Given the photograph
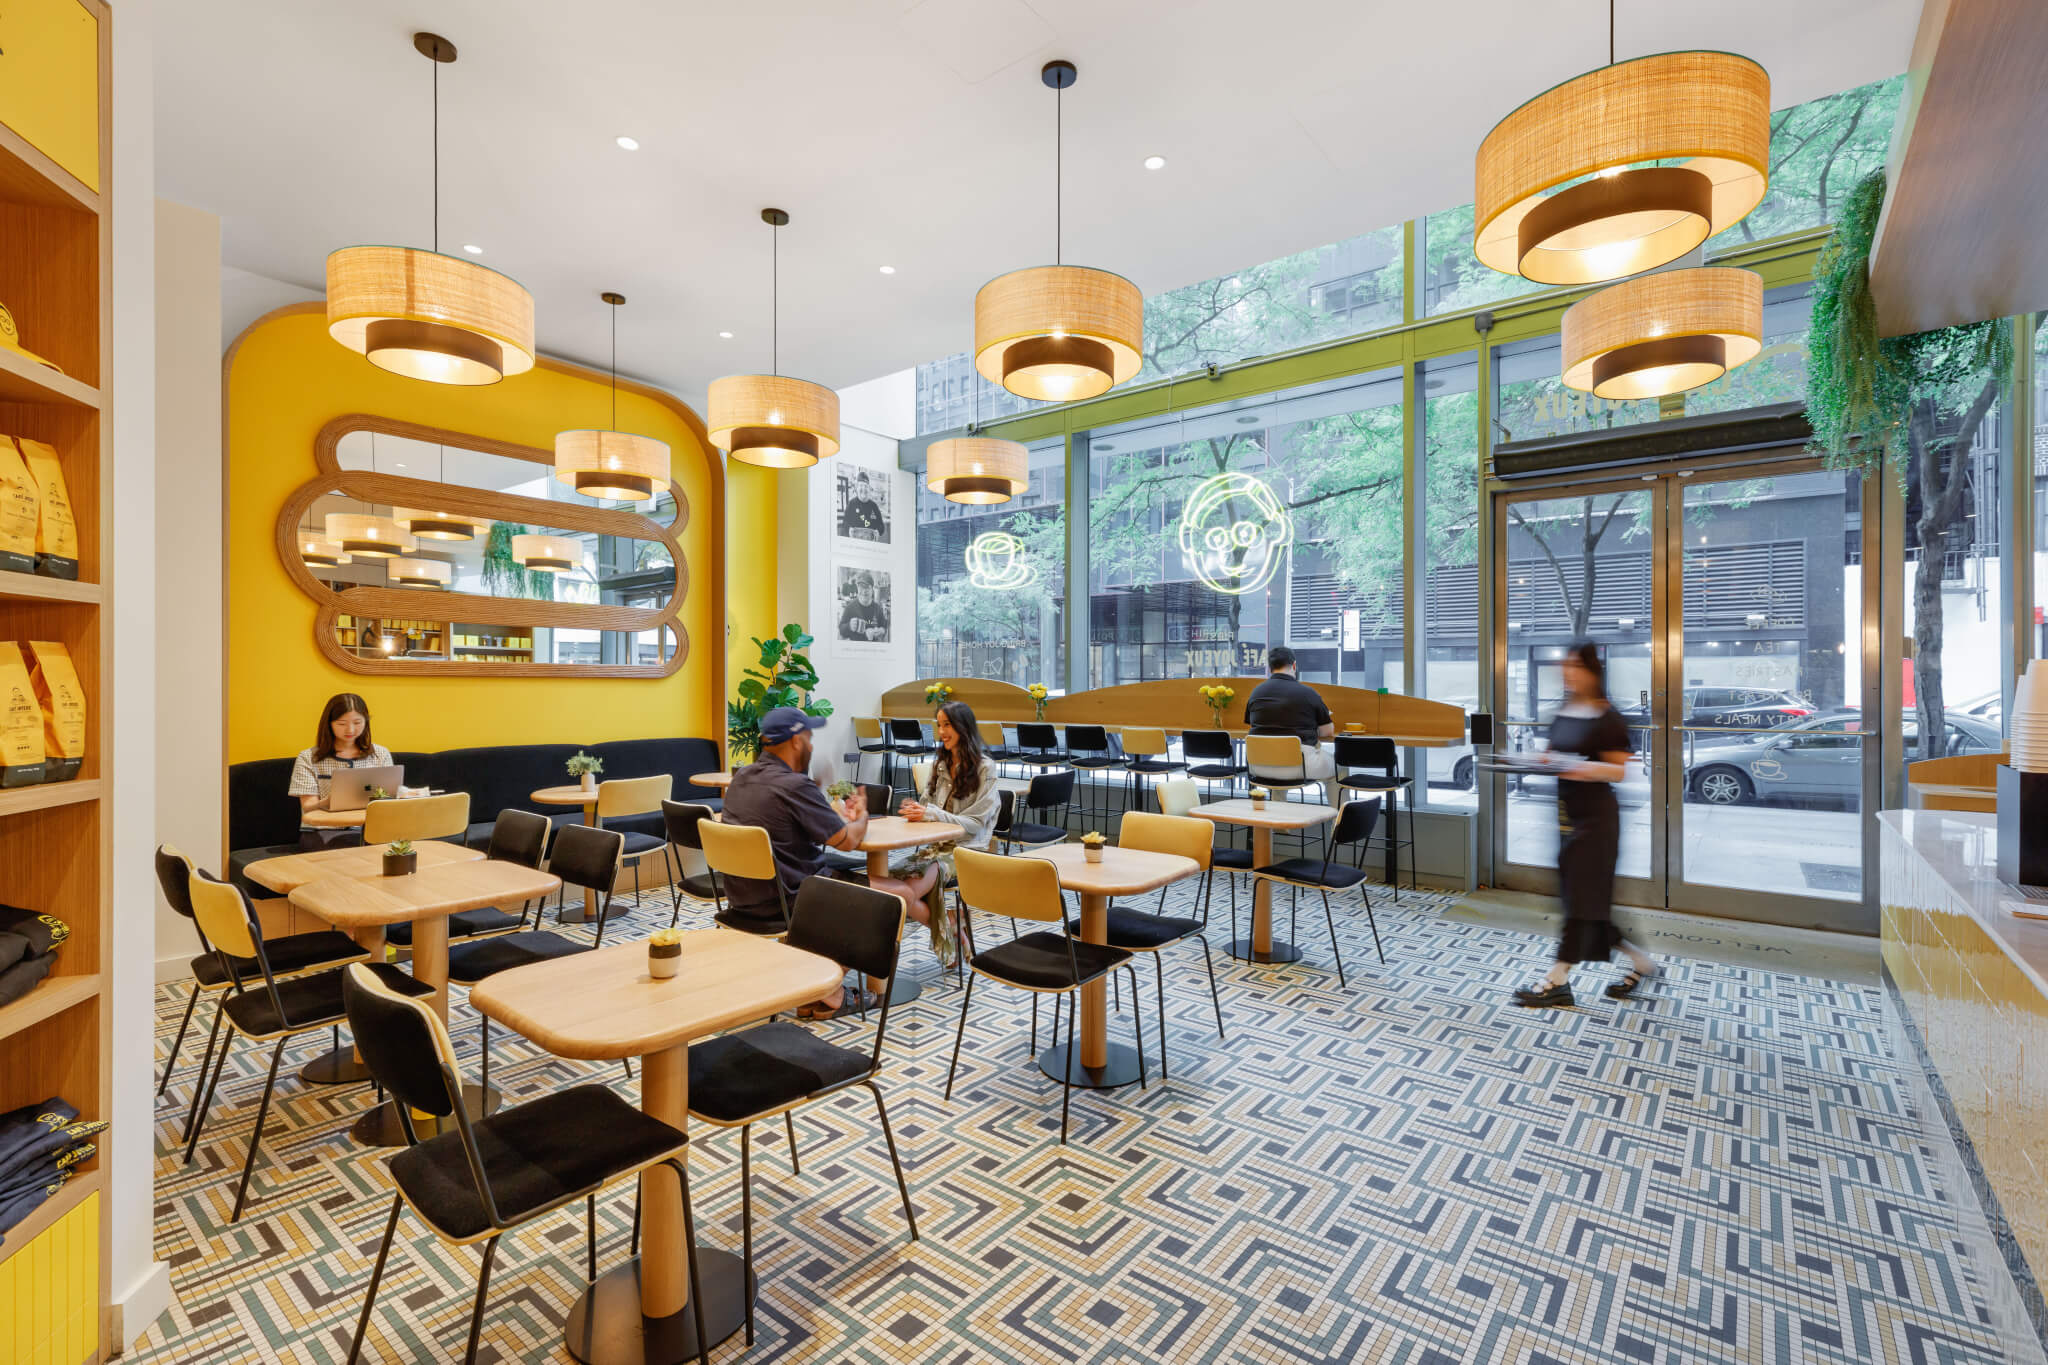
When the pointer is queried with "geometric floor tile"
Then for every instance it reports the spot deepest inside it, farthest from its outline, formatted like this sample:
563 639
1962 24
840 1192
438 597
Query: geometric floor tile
1409 1170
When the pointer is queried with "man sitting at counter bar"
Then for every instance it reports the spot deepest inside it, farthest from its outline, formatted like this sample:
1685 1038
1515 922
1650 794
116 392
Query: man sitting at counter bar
777 792
1284 705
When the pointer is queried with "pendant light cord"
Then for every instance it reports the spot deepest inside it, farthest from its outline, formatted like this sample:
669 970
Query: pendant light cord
436 64
1059 167
1610 32
615 367
775 298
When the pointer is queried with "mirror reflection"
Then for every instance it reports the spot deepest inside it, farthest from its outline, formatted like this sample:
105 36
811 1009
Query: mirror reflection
376 452
428 640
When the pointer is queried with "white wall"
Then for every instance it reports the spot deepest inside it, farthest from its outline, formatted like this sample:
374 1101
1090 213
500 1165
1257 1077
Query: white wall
855 676
189 792
139 1284
886 406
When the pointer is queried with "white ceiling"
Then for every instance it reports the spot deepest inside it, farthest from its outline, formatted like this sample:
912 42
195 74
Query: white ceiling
893 131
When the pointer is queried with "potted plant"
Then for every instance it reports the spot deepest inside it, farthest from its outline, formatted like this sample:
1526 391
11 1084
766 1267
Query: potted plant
378 794
584 768
1259 795
664 953
840 790
1040 695
400 860
785 677
1217 697
1092 844
938 694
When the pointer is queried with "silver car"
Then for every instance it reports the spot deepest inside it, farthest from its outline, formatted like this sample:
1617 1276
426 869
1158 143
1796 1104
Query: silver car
1819 759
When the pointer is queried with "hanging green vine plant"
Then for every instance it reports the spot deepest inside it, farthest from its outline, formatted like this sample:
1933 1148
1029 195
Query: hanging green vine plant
505 576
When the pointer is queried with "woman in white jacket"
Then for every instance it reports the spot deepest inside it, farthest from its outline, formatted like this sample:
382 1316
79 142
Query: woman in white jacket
961 791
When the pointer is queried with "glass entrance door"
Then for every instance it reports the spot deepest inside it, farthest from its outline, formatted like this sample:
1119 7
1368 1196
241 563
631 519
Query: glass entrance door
1728 605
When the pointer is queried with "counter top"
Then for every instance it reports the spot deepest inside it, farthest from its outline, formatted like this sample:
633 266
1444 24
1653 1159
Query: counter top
1961 848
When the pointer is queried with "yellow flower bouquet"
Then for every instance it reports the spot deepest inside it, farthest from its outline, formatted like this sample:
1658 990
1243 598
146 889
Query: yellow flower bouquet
1218 696
1040 694
938 694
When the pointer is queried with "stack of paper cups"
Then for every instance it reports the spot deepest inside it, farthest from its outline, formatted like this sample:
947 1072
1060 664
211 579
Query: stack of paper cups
2029 727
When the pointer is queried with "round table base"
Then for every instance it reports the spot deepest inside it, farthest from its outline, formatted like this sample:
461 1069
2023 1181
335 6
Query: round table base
339 1067
381 1128
902 989
605 1326
1120 1067
1242 949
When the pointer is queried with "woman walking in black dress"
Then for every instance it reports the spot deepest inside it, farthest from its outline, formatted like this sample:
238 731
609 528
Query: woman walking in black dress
1589 750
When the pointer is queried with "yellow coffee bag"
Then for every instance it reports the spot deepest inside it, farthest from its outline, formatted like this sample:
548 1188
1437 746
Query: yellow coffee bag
21 722
19 508
63 705
56 529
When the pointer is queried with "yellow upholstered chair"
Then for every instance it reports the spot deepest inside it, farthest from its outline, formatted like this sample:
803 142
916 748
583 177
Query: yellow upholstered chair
417 817
1136 931
626 796
744 851
1042 962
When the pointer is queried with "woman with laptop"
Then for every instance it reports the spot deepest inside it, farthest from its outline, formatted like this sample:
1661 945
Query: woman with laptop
342 743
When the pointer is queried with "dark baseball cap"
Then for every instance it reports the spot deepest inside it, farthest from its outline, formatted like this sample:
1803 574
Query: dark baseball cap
786 723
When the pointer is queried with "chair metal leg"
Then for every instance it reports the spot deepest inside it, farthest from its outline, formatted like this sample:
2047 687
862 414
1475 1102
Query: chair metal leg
966 997
629 1067
376 1276
483 1286
191 1003
1215 999
1138 1026
1067 1071
256 1133
696 1280
1116 994
1375 926
205 1070
590 1236
1034 1013
789 1123
1159 980
747 1215
1331 920
889 1135
633 1247
484 1051
202 1099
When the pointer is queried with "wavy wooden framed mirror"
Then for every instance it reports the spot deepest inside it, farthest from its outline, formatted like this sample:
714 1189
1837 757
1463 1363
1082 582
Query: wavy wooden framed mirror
441 554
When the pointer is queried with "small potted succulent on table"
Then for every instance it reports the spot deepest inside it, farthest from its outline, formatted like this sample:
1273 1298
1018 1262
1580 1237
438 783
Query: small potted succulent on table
1259 795
664 952
377 794
1092 844
400 860
584 768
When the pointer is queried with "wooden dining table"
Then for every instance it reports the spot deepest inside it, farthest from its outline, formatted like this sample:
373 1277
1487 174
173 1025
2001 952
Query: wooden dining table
1286 815
286 874
718 780
886 834
1122 872
603 1005
363 906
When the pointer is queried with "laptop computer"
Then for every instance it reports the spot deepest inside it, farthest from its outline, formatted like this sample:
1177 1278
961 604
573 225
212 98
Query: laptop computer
349 789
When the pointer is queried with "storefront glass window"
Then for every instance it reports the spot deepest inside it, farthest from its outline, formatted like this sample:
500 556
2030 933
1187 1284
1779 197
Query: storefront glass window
1449 478
991 581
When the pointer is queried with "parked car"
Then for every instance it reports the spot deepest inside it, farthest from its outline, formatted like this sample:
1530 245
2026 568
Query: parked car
1743 708
1818 758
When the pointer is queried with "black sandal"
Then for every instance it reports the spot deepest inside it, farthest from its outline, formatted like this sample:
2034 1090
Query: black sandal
1541 996
1630 982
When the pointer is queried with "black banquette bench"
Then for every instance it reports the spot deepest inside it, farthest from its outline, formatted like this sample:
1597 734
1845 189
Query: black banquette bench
263 822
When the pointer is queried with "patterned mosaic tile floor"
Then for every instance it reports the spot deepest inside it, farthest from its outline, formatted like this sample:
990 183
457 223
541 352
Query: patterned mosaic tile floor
1409 1171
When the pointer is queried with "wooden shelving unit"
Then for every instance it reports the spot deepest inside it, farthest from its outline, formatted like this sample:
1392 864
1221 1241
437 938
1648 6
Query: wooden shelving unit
55 840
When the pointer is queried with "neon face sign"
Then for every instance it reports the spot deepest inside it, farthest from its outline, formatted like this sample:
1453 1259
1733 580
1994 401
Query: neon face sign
1234 532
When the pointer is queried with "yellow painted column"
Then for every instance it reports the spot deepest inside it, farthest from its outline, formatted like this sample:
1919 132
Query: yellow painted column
752 568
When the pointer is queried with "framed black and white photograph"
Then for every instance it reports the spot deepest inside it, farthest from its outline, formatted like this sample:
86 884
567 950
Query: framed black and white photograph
863 603
860 513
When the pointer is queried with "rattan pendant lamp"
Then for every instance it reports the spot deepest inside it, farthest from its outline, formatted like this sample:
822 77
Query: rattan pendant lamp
769 419
365 535
407 572
1664 332
975 469
420 313
1059 332
620 465
1655 155
427 524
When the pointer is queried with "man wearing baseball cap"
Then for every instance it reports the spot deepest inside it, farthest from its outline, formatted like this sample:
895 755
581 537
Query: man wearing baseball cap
777 793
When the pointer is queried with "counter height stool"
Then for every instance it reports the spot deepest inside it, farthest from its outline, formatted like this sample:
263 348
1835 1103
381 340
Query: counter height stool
626 796
869 739
1145 755
1375 770
290 955
995 743
1041 962
1047 793
480 1178
738 1079
274 1011
1211 756
1038 746
906 740
1089 750
517 836
1354 827
679 821
1277 763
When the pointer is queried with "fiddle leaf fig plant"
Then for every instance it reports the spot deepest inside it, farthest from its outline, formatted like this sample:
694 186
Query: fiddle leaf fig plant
783 676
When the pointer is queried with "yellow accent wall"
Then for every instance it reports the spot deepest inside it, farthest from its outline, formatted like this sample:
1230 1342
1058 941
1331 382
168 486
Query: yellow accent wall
282 381
754 554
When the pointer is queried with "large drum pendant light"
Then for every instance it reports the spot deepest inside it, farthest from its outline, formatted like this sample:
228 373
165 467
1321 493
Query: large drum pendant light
612 464
1663 333
547 554
367 536
407 572
1059 332
422 314
318 552
769 419
1655 156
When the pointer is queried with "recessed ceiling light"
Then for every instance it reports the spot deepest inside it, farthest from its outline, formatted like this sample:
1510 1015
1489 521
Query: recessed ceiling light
888 270
1155 163
631 144
725 336
472 248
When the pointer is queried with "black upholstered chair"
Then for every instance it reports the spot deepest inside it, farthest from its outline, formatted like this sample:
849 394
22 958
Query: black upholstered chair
1089 750
907 741
738 1079
517 836
583 856
868 738
1371 765
1211 755
1038 746
289 955
1145 755
480 1178
269 1010
1048 794
1354 829
1042 962
679 822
